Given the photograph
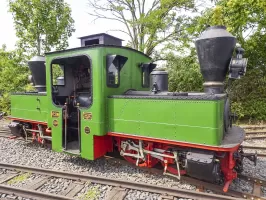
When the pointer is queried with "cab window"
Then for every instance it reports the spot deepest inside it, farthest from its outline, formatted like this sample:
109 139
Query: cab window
146 70
145 77
58 74
114 64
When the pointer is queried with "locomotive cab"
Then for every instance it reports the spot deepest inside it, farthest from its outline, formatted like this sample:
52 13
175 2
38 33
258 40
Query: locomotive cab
78 84
71 90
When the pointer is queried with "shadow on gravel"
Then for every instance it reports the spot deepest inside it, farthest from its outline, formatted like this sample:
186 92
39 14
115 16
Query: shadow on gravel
102 166
98 167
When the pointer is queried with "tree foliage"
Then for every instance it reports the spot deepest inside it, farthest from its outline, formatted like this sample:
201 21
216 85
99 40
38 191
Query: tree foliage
147 23
42 24
13 76
184 73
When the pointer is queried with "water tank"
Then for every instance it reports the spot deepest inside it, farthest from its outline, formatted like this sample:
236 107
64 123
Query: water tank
60 80
160 78
37 68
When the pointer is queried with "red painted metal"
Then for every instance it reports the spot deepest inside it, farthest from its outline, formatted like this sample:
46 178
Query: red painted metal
168 163
26 120
34 126
182 144
102 145
12 137
34 135
227 166
227 160
151 161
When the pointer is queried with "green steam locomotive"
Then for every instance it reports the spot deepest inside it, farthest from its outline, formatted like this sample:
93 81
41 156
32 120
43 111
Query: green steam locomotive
103 97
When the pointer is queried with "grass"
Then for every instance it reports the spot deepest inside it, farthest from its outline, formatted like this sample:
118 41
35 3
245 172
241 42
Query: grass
91 194
19 178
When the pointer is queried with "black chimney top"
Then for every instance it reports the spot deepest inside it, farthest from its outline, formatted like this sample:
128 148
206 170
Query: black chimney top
215 48
37 68
101 38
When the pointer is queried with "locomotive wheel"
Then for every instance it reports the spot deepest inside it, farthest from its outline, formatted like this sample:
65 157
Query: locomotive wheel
171 165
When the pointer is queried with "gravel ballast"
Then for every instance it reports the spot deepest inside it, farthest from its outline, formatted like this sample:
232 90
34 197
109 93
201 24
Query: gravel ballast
23 153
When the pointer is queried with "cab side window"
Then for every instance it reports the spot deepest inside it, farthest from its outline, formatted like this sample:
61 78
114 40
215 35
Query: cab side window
114 64
146 70
58 74
145 77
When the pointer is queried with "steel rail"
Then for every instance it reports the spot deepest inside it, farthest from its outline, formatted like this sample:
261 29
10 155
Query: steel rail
255 132
252 179
26 193
253 147
119 183
219 189
256 148
252 126
255 137
150 188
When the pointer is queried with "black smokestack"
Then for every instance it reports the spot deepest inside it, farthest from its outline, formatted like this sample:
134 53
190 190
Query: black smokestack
215 47
37 68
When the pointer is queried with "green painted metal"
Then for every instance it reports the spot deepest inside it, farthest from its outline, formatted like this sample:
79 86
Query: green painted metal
130 77
30 107
165 119
190 121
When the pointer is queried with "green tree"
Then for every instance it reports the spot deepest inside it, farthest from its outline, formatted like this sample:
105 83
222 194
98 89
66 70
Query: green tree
42 24
184 73
148 24
13 76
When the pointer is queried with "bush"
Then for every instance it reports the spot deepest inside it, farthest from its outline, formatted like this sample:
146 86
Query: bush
184 74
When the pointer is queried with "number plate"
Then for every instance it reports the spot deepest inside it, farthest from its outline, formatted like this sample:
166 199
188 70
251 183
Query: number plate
87 116
55 113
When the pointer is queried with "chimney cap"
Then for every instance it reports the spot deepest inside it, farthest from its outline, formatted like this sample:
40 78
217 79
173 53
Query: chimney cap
99 35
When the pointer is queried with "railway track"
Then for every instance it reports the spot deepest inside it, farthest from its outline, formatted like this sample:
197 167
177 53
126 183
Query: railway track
119 186
202 186
255 132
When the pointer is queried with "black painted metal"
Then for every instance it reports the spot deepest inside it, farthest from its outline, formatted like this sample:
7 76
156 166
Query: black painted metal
238 64
227 115
101 38
203 97
15 128
215 47
201 165
37 68
214 89
160 78
30 93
